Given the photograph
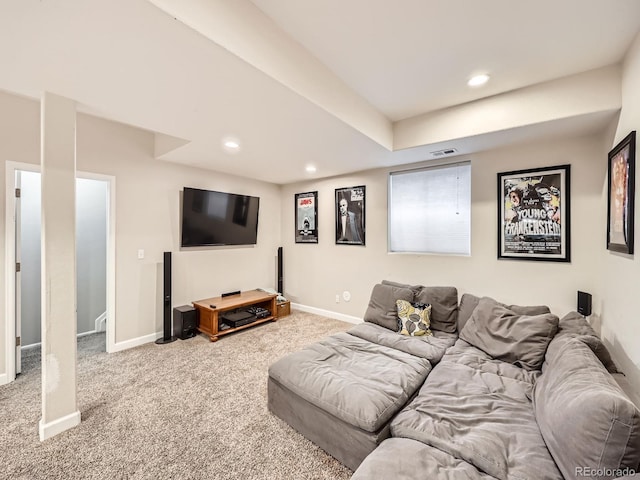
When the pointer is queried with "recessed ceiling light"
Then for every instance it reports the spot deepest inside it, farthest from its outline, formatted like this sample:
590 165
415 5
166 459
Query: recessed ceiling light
311 169
478 80
231 144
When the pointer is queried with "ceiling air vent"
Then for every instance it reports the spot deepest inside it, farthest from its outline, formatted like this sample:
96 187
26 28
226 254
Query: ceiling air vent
444 152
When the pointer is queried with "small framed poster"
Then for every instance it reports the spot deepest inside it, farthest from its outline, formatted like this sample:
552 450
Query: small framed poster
621 194
350 221
306 217
533 214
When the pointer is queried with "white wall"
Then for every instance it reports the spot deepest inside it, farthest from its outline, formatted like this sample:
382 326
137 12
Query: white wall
58 296
147 212
568 97
148 218
91 251
19 142
91 254
621 273
314 274
30 256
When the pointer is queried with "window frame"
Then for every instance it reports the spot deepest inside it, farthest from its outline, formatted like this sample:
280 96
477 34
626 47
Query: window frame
423 168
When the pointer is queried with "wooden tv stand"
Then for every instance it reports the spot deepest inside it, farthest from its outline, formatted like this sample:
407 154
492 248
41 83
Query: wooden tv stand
209 322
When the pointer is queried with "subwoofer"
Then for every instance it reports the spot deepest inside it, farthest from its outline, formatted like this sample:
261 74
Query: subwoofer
166 301
185 322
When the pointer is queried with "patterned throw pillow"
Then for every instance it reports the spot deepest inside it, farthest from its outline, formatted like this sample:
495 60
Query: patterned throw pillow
413 319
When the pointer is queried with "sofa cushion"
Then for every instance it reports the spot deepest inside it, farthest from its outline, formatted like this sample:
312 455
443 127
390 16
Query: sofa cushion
413 318
478 409
382 305
357 381
407 459
584 417
469 302
444 307
466 354
508 336
430 347
414 288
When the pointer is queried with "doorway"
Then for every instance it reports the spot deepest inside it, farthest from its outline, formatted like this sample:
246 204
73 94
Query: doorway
95 262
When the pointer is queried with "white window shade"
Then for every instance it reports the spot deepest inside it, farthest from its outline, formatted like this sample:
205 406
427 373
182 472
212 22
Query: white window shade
430 210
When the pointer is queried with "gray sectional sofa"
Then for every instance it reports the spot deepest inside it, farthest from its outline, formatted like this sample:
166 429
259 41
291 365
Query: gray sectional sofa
498 391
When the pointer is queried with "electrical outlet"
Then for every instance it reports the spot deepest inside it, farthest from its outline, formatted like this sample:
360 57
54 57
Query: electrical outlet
141 254
337 298
346 295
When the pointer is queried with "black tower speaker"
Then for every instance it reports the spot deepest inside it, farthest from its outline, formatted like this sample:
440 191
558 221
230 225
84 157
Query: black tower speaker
166 301
584 303
280 273
185 322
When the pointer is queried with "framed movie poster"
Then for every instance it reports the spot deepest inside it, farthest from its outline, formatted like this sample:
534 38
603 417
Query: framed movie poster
306 217
350 215
621 193
533 214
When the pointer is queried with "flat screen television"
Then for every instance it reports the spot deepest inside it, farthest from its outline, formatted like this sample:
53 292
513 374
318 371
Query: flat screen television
212 218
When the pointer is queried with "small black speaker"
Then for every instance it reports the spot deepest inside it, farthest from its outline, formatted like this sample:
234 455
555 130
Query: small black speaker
584 303
166 301
185 322
280 273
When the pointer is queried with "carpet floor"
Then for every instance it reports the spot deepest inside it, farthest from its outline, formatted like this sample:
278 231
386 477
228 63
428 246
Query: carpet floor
190 409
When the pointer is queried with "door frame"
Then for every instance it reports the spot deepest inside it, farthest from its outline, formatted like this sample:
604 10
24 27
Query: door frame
10 260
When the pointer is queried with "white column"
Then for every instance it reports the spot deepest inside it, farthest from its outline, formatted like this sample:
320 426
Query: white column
58 142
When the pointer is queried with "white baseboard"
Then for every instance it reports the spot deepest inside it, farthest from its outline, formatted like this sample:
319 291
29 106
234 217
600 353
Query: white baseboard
84 334
50 429
101 323
136 342
4 379
327 313
39 344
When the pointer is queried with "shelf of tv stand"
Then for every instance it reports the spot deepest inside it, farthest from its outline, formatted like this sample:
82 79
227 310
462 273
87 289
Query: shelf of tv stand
209 317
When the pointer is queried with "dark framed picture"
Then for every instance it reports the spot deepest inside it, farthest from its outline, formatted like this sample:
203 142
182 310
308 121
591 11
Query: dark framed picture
350 221
534 214
306 217
621 193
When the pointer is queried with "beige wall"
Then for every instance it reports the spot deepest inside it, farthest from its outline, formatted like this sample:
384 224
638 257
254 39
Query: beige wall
19 142
567 97
148 216
314 274
147 212
621 273
58 282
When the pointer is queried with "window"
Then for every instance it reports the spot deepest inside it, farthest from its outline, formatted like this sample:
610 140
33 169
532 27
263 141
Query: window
430 210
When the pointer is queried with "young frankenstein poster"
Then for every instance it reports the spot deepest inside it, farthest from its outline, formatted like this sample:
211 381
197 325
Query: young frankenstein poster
533 206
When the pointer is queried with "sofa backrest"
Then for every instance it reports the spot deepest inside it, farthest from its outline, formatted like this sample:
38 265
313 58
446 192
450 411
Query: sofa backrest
444 307
575 325
586 420
382 308
510 336
469 302
443 300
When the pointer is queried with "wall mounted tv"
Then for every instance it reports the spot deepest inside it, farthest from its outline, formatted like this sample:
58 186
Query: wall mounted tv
216 218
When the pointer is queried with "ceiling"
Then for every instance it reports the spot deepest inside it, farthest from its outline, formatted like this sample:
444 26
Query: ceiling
328 83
